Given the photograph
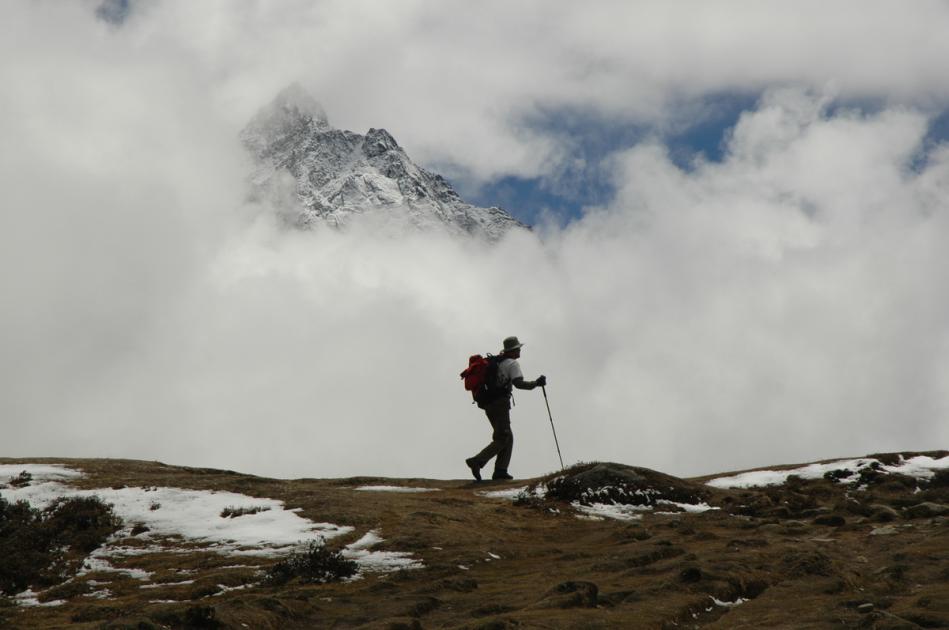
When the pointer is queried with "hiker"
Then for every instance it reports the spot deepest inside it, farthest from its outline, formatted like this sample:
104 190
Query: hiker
498 411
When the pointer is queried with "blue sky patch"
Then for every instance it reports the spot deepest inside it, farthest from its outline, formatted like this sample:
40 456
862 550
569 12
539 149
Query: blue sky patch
700 133
584 180
114 12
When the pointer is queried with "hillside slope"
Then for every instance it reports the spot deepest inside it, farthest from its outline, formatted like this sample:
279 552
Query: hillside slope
858 543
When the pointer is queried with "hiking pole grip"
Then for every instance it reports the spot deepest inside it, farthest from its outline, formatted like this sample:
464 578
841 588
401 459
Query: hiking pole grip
543 388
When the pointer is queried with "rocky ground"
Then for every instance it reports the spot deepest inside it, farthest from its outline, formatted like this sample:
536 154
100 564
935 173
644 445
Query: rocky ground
601 546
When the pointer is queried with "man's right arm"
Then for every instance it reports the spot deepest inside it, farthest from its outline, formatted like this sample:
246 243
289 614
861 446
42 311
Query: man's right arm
520 383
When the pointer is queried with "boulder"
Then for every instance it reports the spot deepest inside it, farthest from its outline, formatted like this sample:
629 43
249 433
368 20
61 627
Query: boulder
886 530
621 484
883 513
926 510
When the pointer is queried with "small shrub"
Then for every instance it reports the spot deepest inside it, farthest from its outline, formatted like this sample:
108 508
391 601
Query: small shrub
21 480
838 475
43 547
314 563
68 590
201 617
82 523
23 546
940 479
234 512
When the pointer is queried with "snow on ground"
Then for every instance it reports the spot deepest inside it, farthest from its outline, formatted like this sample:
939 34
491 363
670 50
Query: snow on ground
597 510
49 472
625 512
28 599
510 494
539 492
692 508
618 511
264 528
921 467
378 561
394 489
173 512
97 562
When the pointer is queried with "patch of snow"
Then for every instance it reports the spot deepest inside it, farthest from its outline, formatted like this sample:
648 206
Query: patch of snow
164 584
378 561
40 472
692 508
103 594
539 492
590 517
228 589
921 467
510 494
117 551
369 539
96 563
29 599
494 555
590 494
394 489
191 514
463 567
737 602
618 512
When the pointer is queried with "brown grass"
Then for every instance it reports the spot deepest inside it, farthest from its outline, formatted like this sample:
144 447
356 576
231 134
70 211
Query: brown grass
802 555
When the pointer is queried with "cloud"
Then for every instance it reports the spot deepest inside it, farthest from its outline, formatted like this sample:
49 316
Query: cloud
780 305
462 85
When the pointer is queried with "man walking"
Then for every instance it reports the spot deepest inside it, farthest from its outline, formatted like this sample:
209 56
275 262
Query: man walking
499 412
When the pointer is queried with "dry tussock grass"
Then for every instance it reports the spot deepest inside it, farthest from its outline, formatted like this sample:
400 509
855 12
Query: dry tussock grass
801 556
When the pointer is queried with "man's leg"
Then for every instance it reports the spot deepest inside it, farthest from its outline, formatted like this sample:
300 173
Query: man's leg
504 437
501 439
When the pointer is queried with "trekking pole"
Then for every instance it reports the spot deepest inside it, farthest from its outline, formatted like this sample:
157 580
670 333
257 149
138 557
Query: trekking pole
546 402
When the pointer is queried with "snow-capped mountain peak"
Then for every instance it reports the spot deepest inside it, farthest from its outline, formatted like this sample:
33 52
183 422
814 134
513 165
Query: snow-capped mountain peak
334 175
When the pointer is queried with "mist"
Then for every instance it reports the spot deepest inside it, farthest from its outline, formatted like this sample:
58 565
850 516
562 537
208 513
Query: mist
779 306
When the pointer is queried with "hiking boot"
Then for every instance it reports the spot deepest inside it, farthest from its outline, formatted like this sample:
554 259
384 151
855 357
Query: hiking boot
501 476
475 469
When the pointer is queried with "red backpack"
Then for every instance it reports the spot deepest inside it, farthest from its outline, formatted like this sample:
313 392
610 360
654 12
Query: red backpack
481 378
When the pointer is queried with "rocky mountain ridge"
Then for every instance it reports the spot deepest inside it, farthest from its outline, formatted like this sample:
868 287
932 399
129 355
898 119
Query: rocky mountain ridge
314 172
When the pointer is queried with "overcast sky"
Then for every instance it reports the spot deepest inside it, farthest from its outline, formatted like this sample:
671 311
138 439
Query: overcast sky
740 254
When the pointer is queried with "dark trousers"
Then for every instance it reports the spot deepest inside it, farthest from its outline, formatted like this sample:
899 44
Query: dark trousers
502 440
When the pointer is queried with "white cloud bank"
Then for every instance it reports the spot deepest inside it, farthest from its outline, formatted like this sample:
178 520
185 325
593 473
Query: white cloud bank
783 305
458 83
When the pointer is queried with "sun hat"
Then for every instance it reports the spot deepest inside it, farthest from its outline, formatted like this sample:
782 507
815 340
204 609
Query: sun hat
511 343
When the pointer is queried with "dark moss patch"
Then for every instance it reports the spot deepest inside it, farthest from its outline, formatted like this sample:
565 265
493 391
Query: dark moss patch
314 563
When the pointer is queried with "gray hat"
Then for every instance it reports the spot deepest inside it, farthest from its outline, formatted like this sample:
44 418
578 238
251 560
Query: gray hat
511 343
